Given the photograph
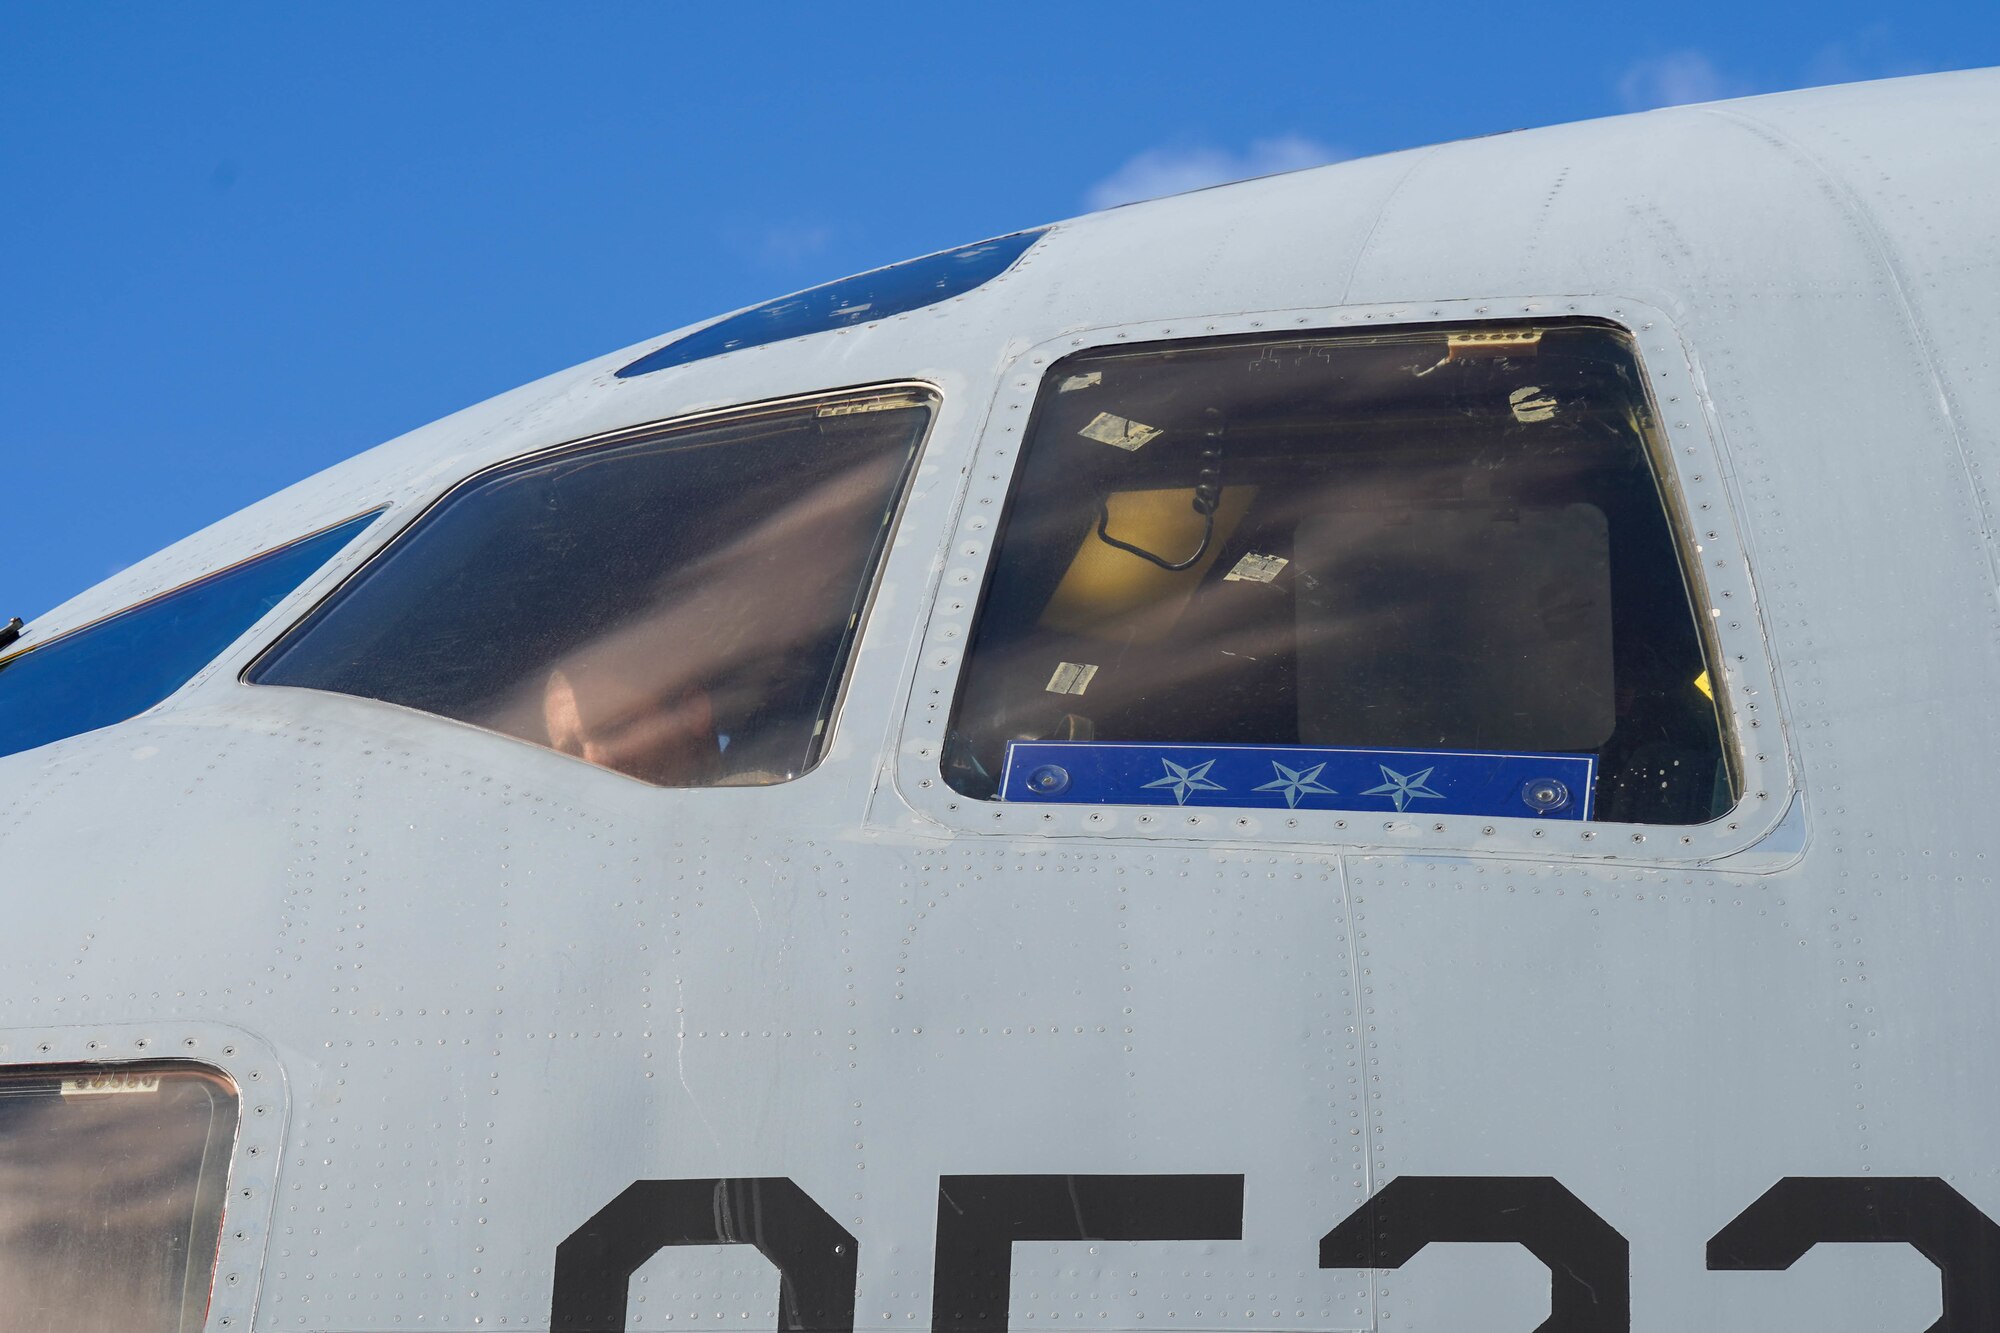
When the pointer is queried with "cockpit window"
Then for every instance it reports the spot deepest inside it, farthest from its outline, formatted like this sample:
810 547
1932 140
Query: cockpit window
120 666
676 604
861 299
1430 572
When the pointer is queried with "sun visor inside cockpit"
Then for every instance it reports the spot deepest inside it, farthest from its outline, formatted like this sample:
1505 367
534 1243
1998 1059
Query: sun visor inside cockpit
1478 625
877 294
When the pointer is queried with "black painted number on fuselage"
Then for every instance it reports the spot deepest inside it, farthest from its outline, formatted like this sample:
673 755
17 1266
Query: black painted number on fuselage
814 1255
1923 1212
1590 1264
981 1217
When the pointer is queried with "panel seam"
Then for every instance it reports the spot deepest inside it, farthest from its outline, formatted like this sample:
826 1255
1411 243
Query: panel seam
1877 240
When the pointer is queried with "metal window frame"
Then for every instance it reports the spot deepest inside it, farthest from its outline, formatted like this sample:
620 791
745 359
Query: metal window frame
263 1108
1694 480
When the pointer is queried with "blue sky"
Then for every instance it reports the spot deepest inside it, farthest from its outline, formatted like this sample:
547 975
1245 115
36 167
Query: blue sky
243 242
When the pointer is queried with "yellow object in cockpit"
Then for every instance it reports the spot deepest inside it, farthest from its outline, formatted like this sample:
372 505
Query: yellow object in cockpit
1112 594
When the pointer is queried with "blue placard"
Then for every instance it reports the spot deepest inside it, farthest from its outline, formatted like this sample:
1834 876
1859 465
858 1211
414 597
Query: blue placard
1301 777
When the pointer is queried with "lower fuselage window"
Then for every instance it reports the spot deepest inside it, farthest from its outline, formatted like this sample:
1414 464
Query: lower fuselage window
112 1185
1430 572
677 605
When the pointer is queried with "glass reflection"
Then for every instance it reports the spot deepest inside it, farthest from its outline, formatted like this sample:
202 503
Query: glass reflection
1435 540
111 1194
677 607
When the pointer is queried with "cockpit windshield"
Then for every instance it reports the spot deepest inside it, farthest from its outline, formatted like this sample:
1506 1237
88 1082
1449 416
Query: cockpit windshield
118 667
675 604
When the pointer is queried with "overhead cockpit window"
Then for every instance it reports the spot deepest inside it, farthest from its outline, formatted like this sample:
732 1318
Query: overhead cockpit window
120 666
878 294
1430 572
676 604
112 1185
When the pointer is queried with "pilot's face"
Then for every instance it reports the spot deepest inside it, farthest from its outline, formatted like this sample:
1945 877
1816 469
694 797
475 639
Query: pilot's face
670 741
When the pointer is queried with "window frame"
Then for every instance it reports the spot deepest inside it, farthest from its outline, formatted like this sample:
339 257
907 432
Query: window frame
262 1109
1700 510
407 522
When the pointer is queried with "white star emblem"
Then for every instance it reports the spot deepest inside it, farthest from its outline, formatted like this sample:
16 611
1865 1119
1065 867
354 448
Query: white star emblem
1402 790
1295 783
1193 778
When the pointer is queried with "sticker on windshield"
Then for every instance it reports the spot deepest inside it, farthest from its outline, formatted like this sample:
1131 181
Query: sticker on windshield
1119 433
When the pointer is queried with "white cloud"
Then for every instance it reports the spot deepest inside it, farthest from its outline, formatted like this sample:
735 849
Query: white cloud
1161 171
1675 79
1680 77
1872 53
787 244
781 250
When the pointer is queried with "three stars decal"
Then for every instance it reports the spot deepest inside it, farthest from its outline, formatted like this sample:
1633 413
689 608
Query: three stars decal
1183 780
1297 780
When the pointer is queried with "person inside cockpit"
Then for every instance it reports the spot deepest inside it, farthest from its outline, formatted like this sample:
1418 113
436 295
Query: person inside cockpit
671 742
